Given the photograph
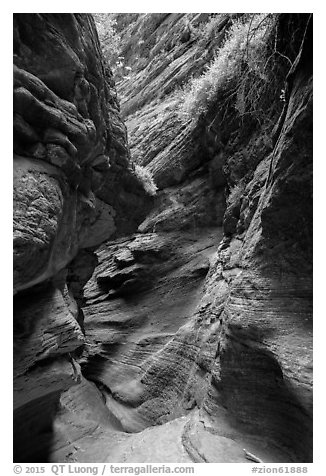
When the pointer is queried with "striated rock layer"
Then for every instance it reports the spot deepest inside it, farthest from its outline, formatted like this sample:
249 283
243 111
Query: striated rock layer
199 328
72 189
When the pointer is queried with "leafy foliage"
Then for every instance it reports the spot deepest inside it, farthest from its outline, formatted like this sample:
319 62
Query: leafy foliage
109 38
146 178
243 71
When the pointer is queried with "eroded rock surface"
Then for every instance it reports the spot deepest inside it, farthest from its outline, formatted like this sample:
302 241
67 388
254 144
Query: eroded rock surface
198 327
72 189
70 146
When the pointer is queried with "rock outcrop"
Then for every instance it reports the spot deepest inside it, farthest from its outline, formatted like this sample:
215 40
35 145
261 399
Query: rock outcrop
73 187
197 325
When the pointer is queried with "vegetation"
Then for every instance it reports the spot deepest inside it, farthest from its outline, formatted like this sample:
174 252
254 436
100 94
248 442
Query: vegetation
111 43
109 38
146 178
244 71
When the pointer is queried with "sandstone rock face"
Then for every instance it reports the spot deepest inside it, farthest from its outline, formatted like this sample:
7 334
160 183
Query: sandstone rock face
72 189
161 64
70 146
197 326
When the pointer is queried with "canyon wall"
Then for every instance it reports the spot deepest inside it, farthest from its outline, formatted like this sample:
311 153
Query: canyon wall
73 186
194 331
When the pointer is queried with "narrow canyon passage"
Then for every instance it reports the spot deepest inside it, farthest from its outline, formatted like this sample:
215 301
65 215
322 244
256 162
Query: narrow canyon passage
162 238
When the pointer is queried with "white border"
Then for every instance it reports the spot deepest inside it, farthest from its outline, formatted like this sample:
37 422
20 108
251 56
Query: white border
319 184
